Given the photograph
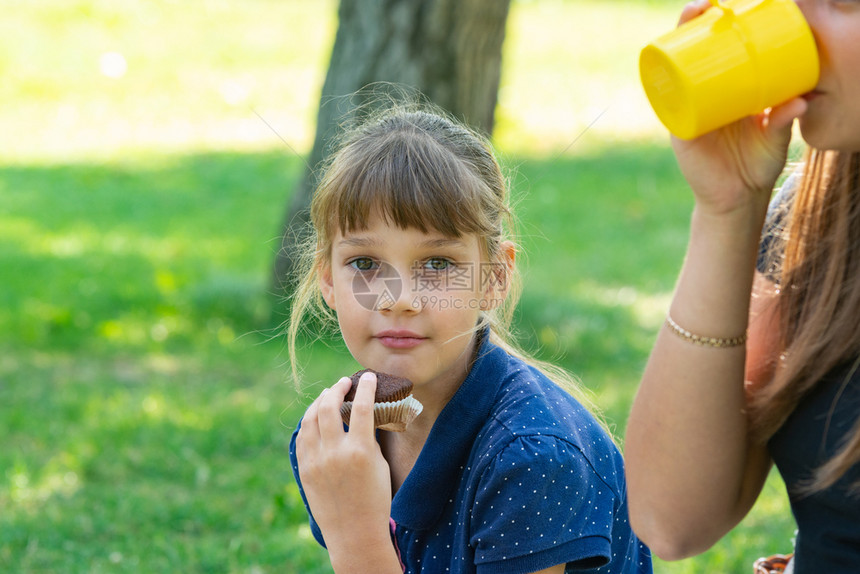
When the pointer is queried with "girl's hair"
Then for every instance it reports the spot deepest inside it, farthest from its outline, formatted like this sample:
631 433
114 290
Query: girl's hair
819 299
416 168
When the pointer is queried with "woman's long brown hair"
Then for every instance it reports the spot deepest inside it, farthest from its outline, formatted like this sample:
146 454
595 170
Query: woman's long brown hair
819 300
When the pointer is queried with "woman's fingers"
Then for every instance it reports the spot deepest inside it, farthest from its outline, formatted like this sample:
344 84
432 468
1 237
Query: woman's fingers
783 115
693 9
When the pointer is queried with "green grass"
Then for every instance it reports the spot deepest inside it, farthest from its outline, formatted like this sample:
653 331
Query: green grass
145 409
148 415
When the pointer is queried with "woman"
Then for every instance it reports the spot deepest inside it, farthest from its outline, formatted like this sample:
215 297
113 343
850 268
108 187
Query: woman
757 363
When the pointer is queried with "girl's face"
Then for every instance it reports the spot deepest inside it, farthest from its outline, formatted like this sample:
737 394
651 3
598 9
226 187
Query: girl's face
832 120
407 302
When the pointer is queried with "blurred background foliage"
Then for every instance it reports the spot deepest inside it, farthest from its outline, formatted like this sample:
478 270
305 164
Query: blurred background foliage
147 151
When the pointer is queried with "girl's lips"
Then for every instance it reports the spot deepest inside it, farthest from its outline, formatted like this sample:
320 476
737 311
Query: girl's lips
399 339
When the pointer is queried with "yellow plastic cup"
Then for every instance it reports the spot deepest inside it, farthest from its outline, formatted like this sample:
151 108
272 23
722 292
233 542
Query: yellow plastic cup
735 60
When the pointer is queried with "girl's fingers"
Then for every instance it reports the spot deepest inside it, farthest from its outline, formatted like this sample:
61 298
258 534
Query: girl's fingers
309 433
361 419
309 420
330 421
322 422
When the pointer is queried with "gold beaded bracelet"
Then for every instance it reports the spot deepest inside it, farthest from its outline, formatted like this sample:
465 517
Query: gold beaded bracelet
703 341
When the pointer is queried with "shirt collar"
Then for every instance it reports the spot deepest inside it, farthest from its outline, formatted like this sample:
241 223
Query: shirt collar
435 476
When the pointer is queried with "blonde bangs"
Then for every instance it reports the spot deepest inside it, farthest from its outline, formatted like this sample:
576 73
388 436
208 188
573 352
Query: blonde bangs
409 180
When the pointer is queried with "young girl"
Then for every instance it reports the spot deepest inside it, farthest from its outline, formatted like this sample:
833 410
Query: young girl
700 442
503 471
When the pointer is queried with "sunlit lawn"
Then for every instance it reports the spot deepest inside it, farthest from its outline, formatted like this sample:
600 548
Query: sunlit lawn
144 403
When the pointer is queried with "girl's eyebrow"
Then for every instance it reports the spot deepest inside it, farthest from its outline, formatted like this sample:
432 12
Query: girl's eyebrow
435 243
359 242
442 242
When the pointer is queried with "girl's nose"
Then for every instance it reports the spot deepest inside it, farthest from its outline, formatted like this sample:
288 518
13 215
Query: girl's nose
400 296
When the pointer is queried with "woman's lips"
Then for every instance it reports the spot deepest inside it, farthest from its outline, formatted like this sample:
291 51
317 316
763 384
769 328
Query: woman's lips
809 96
399 339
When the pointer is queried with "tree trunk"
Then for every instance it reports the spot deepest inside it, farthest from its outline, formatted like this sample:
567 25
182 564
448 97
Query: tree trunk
450 50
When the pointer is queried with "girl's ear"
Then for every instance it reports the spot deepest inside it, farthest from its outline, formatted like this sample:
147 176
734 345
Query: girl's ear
326 285
499 276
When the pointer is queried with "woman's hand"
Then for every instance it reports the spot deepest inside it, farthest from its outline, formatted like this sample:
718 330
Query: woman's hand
344 476
737 165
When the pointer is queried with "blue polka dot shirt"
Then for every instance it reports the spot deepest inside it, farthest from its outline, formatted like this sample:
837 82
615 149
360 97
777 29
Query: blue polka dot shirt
515 476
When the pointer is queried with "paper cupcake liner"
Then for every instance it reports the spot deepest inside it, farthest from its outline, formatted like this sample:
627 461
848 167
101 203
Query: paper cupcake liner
394 416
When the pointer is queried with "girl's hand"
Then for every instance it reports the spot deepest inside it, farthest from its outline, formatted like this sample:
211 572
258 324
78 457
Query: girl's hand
737 166
345 478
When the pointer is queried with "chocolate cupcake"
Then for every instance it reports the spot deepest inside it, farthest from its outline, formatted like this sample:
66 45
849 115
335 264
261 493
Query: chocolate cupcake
394 407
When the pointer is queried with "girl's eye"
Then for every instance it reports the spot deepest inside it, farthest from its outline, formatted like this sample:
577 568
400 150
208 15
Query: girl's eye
362 263
438 264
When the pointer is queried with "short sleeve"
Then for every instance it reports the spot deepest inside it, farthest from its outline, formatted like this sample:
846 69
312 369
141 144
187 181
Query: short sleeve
540 503
772 246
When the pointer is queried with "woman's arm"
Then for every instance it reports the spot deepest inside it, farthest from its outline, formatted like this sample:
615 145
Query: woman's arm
347 482
692 471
